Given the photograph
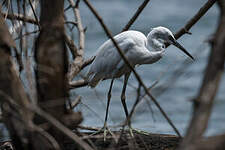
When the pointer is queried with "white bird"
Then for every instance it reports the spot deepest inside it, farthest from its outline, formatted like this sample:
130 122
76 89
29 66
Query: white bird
138 50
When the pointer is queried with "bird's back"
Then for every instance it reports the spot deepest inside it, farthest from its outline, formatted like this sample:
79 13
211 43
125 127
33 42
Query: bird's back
108 61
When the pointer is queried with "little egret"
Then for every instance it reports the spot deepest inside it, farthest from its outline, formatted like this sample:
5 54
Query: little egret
138 50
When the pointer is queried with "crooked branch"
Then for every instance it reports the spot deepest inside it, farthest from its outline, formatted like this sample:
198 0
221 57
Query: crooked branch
78 62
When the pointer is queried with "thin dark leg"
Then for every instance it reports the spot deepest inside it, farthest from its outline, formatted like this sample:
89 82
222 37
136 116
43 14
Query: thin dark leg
108 102
105 128
123 96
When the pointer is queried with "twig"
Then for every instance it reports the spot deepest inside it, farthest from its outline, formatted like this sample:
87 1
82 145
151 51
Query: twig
19 17
76 102
35 16
77 64
71 22
47 136
87 62
137 13
26 34
194 19
88 128
129 65
77 84
71 45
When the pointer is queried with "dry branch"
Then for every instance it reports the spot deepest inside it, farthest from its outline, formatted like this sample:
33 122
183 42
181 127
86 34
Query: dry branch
71 45
137 13
20 17
76 66
77 84
194 19
34 13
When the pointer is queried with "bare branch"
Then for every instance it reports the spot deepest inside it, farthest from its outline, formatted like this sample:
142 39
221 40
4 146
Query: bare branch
71 45
137 13
87 62
35 16
19 17
75 102
77 84
194 19
88 128
77 64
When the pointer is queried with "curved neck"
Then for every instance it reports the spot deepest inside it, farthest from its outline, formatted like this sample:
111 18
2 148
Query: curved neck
151 57
154 43
154 50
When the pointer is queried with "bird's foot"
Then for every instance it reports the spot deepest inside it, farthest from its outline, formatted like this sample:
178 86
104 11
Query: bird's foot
103 130
131 132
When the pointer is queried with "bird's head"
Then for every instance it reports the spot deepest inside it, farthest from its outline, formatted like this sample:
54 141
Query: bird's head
159 36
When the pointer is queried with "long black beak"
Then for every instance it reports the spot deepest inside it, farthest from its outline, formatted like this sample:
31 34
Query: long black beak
175 43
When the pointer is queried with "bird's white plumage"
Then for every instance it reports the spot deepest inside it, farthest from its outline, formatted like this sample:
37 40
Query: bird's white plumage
137 48
108 62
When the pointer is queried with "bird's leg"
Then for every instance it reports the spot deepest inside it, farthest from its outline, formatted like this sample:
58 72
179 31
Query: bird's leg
123 100
107 109
104 129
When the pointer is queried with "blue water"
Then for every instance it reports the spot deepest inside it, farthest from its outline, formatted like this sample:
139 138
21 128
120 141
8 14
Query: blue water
175 100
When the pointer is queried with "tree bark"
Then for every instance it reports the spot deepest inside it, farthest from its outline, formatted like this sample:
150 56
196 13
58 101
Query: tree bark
52 66
51 59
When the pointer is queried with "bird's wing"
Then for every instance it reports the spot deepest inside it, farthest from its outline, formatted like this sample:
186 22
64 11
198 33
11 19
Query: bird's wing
107 58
